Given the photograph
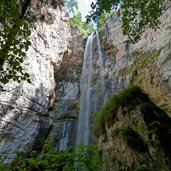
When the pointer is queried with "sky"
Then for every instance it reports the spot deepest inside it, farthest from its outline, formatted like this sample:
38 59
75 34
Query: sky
84 7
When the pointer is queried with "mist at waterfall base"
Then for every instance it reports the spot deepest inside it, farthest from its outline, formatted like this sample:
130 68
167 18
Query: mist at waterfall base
88 90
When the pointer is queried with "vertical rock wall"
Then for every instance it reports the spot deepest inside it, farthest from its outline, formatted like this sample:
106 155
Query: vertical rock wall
145 64
50 104
65 113
24 118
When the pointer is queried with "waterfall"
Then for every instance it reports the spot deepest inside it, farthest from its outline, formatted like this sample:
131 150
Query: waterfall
101 86
92 97
65 136
83 129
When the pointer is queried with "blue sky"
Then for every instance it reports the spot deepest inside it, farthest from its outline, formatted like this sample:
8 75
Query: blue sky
84 7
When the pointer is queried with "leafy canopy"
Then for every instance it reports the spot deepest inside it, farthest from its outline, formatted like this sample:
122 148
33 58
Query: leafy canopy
71 6
76 18
136 15
14 42
82 158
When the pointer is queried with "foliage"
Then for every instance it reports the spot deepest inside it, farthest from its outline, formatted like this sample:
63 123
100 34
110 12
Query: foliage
146 139
103 17
14 33
159 126
85 28
14 42
136 15
129 97
87 158
89 27
71 6
76 19
84 158
4 167
133 140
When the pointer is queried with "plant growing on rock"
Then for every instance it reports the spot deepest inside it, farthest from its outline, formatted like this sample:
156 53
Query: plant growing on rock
141 129
136 15
129 97
85 158
133 140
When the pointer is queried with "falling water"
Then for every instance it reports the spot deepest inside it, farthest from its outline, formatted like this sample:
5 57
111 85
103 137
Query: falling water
83 129
65 136
101 87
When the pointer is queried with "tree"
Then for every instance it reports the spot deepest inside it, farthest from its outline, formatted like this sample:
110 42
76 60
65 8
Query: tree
81 158
136 15
72 7
89 27
76 18
14 32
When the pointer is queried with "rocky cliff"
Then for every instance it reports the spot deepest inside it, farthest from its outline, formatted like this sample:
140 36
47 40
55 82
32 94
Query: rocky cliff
24 107
145 62
65 113
50 105
146 65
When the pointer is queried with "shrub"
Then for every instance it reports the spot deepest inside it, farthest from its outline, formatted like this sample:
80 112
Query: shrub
84 158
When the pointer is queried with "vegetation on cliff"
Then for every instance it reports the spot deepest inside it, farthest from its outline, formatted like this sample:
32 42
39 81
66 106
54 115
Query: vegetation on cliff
76 19
141 129
14 35
106 116
15 31
136 14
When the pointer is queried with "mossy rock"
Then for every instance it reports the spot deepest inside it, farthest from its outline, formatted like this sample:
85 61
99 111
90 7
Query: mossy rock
137 129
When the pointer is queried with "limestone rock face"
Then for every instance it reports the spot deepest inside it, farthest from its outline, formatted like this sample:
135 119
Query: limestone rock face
24 107
132 137
50 104
65 113
145 63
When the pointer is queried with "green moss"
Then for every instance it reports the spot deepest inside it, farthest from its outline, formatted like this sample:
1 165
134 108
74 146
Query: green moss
99 125
156 125
129 97
159 126
109 46
133 140
140 127
145 56
115 132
